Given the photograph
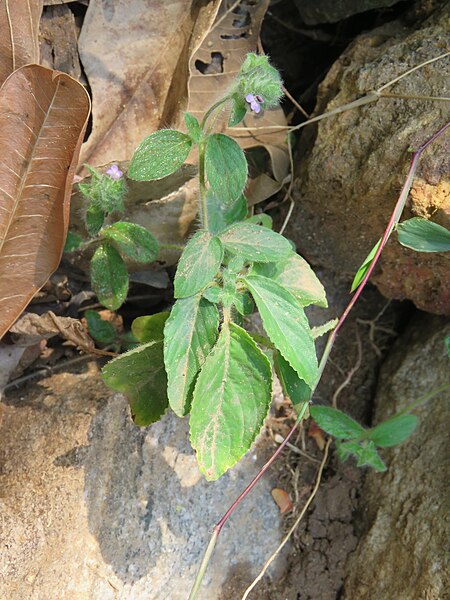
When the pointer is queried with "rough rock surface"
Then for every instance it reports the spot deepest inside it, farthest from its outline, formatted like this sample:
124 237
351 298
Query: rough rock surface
353 165
402 554
94 508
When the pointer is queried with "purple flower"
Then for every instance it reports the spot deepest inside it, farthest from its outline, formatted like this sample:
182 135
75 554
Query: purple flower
255 102
114 172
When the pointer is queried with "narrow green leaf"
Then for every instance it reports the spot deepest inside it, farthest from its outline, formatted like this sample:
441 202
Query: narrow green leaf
193 127
221 215
286 325
189 336
295 388
150 327
361 272
393 431
422 235
321 330
365 453
109 276
95 218
73 242
159 155
231 400
295 274
238 111
335 422
132 240
198 265
139 374
102 331
255 243
226 167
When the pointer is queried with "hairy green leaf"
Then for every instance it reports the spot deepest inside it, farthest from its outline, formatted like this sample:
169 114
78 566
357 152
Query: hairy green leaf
365 453
159 155
95 217
422 235
139 374
286 325
221 215
231 400
226 167
73 242
198 265
102 331
393 431
189 336
243 303
213 293
193 127
255 243
295 274
238 110
293 387
151 327
336 423
109 276
361 272
132 240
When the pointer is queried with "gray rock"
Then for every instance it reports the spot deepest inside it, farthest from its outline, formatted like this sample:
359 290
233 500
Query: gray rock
402 554
94 508
354 165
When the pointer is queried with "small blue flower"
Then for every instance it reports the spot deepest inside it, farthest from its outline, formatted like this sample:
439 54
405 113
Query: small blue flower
114 172
255 102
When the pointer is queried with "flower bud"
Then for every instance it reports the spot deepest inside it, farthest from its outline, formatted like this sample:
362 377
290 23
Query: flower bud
259 83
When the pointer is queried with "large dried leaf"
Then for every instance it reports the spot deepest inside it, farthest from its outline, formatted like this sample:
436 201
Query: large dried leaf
19 29
43 115
134 53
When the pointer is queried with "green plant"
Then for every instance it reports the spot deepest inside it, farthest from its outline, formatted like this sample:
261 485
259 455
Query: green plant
109 275
203 361
199 359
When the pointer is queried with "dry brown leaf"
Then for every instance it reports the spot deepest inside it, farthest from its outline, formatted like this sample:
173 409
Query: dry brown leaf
134 53
43 115
19 31
283 500
166 207
317 434
31 328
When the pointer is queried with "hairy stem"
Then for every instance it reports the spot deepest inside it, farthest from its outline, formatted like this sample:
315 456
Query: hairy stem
398 209
202 183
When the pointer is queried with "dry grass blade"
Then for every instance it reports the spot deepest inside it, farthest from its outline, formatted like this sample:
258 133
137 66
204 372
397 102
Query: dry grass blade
43 114
19 30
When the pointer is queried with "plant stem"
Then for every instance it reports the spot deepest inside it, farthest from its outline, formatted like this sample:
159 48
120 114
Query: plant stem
179 247
211 109
398 209
202 183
